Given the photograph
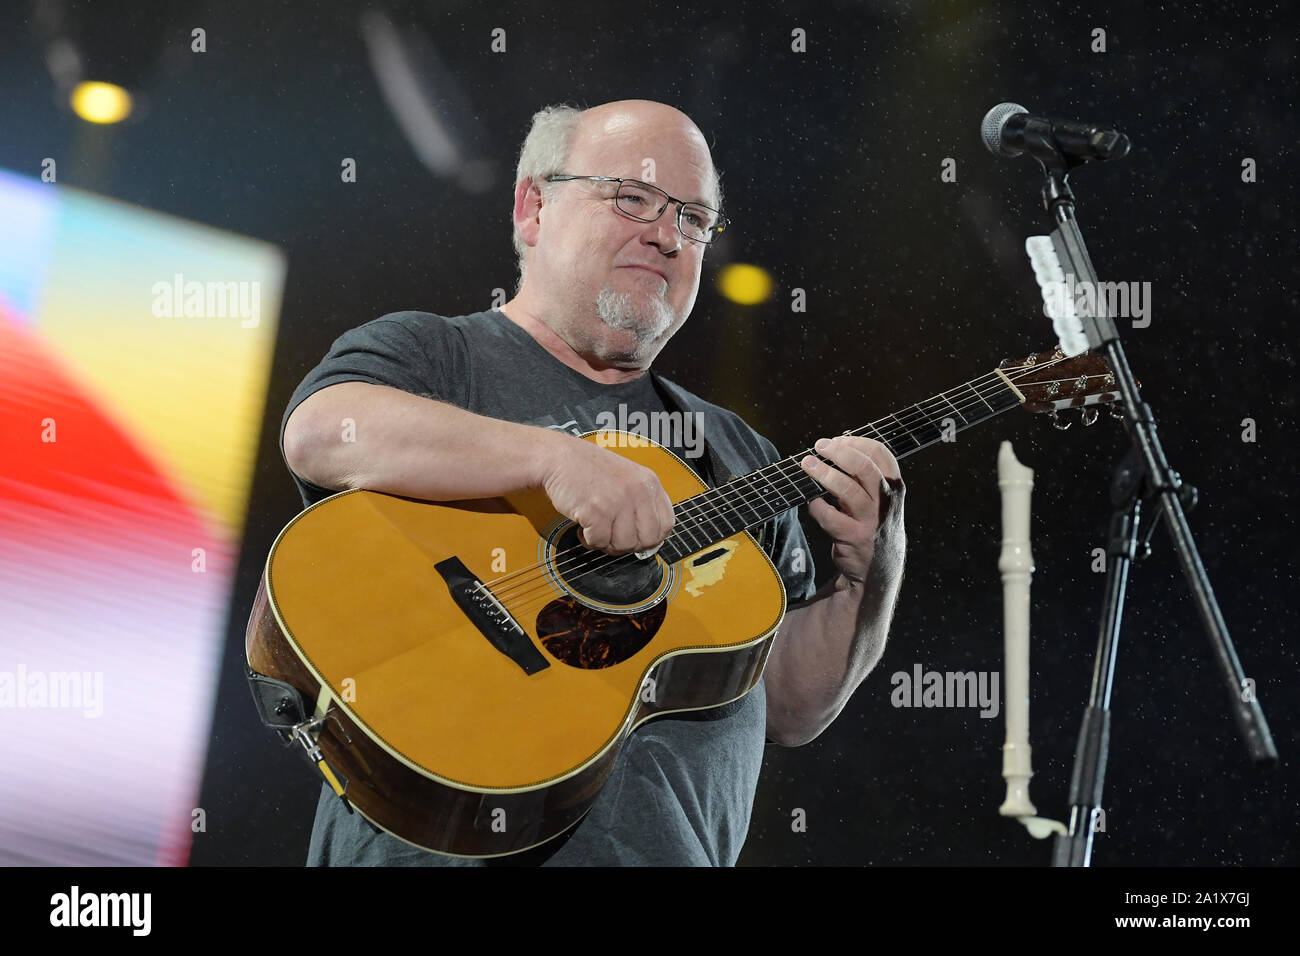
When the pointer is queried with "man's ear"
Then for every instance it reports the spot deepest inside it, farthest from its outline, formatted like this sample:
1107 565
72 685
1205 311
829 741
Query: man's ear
528 207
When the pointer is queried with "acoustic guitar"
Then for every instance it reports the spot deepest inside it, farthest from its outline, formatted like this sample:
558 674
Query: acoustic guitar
468 672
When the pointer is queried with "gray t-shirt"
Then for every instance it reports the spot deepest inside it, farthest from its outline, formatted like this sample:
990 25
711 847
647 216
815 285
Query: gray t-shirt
682 789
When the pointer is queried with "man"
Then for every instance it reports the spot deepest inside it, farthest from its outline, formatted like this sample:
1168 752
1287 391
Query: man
449 408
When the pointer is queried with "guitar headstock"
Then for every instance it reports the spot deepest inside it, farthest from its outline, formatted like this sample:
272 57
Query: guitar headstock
1050 381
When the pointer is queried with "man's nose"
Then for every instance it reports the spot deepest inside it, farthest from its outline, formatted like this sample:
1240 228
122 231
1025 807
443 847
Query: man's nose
663 232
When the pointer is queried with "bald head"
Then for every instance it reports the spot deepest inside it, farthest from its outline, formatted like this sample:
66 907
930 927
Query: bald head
638 122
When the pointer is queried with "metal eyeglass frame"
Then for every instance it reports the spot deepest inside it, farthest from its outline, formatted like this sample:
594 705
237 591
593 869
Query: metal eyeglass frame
716 231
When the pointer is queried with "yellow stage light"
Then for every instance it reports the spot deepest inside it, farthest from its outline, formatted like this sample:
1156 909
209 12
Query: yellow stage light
101 102
745 284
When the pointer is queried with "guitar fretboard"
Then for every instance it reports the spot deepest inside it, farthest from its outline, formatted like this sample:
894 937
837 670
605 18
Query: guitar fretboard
749 500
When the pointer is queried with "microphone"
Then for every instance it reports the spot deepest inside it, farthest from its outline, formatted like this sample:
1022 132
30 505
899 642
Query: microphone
1009 130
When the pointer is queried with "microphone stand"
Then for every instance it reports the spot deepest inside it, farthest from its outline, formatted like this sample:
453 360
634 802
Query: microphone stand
1143 476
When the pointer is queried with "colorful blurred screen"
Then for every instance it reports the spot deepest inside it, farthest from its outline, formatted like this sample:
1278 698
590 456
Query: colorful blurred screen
136 353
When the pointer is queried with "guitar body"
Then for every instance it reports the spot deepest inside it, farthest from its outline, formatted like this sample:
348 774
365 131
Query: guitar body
482 729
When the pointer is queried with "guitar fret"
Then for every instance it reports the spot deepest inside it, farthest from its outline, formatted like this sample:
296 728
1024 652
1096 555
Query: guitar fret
982 398
931 421
684 530
780 470
766 507
756 515
906 431
880 438
735 497
762 495
713 528
963 418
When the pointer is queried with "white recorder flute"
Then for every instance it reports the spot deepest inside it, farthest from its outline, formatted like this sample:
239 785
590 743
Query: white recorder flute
1016 563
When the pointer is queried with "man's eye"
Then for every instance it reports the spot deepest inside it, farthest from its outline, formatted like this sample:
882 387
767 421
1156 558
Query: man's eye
694 220
633 198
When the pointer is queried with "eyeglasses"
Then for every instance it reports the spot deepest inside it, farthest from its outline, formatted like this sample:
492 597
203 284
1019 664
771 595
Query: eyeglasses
695 221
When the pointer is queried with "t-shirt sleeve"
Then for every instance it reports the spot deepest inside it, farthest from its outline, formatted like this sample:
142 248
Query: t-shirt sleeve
386 351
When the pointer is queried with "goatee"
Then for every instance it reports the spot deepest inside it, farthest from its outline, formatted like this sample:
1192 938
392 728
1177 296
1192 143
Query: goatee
646 316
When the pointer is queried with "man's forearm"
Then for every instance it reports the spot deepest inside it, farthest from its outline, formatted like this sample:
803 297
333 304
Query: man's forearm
825 650
358 435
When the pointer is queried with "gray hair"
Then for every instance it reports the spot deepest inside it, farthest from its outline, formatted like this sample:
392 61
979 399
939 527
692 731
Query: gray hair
546 150
544 153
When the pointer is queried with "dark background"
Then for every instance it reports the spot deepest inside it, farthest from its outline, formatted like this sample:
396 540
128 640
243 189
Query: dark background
831 162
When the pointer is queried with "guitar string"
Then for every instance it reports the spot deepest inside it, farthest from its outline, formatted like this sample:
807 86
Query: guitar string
709 508
725 498
721 499
537 589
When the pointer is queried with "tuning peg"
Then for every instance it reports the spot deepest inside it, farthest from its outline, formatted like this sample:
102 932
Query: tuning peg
1088 416
1058 423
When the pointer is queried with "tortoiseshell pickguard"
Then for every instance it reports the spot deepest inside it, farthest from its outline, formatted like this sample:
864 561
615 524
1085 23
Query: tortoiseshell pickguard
584 637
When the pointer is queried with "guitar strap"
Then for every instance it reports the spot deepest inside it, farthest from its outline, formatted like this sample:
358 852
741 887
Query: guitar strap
713 466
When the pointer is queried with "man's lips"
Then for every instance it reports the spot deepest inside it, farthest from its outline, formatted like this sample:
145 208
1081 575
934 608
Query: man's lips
651 269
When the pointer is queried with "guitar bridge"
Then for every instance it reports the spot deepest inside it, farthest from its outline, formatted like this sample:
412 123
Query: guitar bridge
490 616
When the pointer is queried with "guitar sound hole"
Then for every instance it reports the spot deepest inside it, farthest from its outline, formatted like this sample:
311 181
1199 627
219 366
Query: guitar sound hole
603 578
587 637
584 637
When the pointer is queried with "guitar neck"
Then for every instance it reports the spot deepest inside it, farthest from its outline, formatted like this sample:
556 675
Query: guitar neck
749 500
